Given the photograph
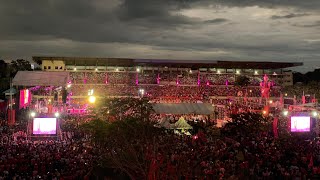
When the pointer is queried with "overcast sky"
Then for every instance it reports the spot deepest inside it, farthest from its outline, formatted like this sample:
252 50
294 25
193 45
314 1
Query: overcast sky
255 30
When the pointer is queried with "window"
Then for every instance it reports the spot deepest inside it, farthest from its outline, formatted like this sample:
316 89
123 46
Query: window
44 67
60 67
49 67
56 67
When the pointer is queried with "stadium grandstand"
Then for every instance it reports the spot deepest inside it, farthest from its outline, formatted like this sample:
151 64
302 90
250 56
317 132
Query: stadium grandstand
72 80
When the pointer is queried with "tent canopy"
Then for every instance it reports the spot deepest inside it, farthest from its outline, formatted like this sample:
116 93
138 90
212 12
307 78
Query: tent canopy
183 108
40 78
182 124
10 91
166 124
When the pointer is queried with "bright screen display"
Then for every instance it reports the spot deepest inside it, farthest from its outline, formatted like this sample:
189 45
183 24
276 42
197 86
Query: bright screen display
300 124
44 126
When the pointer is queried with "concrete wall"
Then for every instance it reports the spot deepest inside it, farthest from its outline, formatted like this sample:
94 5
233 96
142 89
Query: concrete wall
52 65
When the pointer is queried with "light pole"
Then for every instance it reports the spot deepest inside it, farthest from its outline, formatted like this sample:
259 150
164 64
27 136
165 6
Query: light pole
141 93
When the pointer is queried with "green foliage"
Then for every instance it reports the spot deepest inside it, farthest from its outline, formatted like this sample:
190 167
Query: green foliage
122 108
19 65
247 123
98 129
312 88
242 81
213 130
4 70
124 144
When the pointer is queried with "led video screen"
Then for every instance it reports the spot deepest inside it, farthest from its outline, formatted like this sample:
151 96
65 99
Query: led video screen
300 124
47 126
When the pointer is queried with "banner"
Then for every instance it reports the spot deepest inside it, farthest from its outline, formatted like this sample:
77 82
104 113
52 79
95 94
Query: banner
25 98
303 99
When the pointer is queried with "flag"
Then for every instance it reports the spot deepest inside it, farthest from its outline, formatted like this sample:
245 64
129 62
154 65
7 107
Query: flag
303 99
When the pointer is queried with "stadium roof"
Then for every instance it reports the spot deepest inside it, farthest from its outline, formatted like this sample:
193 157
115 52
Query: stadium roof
40 78
193 64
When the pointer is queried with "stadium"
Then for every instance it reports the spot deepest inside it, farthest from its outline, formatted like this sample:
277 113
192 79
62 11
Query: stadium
187 109
72 82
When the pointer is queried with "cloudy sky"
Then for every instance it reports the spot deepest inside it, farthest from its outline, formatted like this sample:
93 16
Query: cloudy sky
255 30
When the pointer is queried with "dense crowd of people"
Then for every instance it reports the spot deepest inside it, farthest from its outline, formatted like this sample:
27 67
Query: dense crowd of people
37 158
240 157
171 91
202 155
164 77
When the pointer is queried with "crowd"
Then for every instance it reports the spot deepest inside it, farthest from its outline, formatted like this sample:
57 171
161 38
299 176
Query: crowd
22 158
153 77
229 155
174 91
232 155
241 157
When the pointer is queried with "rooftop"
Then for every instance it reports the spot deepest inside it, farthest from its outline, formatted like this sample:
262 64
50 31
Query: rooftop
193 64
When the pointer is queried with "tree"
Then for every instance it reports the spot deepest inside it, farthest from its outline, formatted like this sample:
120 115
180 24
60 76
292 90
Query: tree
121 108
131 146
247 124
311 88
4 77
19 65
4 73
242 81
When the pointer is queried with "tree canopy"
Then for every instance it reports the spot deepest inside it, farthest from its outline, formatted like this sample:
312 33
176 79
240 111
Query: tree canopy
247 123
19 65
122 108
242 81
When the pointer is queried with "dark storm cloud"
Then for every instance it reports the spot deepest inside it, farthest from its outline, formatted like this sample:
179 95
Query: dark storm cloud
137 27
309 25
216 21
82 21
300 4
288 16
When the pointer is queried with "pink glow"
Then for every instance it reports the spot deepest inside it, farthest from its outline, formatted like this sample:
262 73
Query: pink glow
44 126
227 82
25 98
158 79
137 78
77 111
208 83
300 124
